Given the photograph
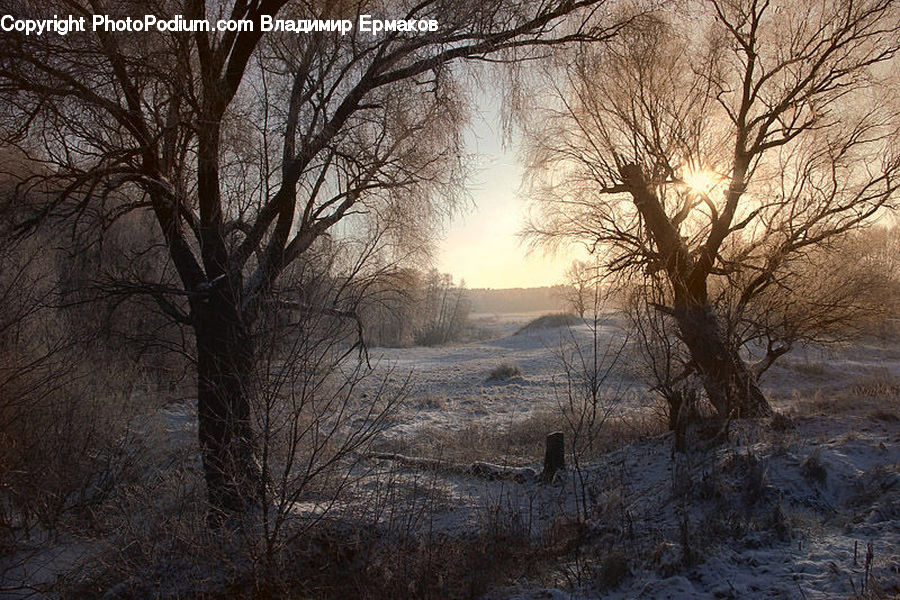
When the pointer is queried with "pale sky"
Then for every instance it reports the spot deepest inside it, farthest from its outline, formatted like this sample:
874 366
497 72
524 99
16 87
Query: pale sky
481 245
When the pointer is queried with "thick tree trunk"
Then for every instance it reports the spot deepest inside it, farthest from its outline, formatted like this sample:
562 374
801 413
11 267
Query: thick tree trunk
225 363
730 385
728 382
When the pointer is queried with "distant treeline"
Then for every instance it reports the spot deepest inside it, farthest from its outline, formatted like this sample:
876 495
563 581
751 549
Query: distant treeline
515 300
416 308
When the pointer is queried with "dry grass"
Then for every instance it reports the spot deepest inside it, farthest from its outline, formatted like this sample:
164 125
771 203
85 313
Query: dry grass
807 368
813 469
884 415
881 386
876 395
430 402
503 372
520 442
337 565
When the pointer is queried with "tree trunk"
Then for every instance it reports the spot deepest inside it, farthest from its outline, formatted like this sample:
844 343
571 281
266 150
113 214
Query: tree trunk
224 367
730 385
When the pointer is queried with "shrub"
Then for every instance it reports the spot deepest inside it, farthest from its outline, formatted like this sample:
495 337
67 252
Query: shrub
504 372
613 569
65 406
813 469
782 423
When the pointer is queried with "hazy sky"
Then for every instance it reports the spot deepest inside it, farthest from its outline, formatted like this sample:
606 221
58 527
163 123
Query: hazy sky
481 245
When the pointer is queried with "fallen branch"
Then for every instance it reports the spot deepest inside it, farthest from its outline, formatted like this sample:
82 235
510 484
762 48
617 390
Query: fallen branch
476 469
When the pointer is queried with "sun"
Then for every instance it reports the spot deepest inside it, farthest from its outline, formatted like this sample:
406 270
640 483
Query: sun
700 181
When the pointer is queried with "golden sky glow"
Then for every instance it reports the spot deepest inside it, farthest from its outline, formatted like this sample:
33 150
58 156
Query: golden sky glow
481 245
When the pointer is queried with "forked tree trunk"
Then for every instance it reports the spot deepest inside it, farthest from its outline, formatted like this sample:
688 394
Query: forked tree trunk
225 363
729 383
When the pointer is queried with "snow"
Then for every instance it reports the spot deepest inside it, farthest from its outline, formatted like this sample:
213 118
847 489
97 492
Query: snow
756 513
858 501
451 383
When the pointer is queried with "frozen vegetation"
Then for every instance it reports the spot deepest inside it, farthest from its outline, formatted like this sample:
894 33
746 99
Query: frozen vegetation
450 503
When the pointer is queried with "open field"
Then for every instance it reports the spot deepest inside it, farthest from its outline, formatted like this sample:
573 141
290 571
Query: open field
806 509
454 299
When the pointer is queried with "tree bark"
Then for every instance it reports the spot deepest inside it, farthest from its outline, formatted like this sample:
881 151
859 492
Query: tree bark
224 366
729 383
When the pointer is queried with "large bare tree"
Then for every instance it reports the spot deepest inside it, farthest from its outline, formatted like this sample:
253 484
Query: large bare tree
713 152
249 148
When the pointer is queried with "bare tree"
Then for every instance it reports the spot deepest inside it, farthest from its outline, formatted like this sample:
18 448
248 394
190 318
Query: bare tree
249 148
443 309
315 411
390 312
668 367
718 161
579 289
590 395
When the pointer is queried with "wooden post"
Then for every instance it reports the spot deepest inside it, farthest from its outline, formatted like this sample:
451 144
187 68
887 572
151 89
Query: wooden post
555 456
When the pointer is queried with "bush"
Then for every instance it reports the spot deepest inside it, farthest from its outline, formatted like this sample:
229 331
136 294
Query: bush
613 569
66 445
813 469
68 396
504 372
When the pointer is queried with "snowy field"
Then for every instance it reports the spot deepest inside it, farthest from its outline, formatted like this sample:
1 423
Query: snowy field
770 514
807 509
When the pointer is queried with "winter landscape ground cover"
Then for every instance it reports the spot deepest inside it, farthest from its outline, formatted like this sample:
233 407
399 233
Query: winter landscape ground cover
806 506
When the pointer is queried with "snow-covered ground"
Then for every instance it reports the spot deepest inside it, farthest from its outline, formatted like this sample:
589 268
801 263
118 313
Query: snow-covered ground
453 388
788 512
770 514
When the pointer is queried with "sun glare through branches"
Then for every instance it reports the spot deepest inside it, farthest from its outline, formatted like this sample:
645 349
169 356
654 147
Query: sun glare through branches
701 181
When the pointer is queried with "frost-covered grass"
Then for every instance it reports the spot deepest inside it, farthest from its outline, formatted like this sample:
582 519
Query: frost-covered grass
503 372
549 321
784 509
